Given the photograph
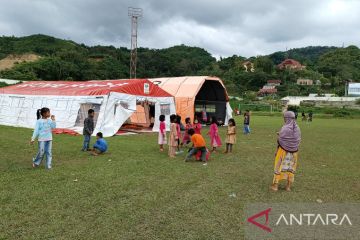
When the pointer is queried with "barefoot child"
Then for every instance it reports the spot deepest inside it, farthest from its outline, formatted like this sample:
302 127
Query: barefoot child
214 135
88 129
162 132
198 145
173 136
43 133
230 135
100 145
186 137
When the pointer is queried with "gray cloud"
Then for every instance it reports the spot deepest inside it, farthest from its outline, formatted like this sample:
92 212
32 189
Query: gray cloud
224 28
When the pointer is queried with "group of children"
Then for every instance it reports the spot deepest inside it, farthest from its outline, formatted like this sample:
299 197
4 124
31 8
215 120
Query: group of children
43 134
192 133
177 140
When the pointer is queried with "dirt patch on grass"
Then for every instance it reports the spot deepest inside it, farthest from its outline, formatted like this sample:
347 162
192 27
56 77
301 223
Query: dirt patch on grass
11 60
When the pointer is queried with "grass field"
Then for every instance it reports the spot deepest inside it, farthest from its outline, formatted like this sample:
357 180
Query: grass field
135 192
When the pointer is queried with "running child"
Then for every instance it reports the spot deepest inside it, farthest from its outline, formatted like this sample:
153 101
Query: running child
186 137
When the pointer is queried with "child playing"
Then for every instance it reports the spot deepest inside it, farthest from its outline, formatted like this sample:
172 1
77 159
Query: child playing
43 134
173 137
186 137
162 132
214 135
197 126
198 145
230 135
247 122
100 145
88 129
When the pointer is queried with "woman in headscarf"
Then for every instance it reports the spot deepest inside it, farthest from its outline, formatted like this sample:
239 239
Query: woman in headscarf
286 156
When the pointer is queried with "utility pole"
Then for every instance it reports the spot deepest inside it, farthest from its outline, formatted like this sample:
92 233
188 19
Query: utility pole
134 14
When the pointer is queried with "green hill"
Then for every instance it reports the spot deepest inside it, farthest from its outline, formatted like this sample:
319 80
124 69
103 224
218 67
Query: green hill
65 59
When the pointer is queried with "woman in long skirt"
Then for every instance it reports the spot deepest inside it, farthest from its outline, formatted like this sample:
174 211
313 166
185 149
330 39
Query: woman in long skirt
286 157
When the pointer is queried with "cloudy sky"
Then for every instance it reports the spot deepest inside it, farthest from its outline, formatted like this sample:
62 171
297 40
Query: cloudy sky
223 27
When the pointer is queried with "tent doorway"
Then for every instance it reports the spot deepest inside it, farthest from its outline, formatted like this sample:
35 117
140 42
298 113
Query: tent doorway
210 101
83 113
144 116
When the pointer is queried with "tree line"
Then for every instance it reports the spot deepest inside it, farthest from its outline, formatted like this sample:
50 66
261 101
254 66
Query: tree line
67 60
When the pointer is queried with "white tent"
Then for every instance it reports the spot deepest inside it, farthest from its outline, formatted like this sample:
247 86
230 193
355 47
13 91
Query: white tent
114 102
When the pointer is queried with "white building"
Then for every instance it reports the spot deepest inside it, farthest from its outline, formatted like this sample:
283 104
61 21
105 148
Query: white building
354 89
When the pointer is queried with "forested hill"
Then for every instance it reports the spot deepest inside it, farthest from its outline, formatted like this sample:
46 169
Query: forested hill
43 57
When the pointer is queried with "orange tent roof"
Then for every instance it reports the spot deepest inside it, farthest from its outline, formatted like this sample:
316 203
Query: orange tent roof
185 89
184 86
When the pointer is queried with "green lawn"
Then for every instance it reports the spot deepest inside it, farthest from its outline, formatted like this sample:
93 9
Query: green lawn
135 192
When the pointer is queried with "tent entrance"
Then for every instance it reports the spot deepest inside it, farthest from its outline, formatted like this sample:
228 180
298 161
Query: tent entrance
83 113
210 101
143 117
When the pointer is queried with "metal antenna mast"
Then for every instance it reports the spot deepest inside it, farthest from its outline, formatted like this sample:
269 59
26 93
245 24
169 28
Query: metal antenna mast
134 14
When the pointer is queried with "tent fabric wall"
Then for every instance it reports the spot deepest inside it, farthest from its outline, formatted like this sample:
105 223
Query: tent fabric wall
18 103
185 91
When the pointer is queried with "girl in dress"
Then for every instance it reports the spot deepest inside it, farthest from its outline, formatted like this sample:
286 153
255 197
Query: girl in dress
214 134
230 135
162 132
173 137
197 126
186 137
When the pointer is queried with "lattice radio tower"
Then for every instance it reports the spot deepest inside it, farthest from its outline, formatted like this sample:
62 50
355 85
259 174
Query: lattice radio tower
134 14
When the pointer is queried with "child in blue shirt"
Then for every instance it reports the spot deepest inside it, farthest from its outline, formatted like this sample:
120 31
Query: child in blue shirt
100 145
43 133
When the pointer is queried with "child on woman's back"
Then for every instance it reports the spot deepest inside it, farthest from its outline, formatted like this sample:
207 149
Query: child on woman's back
162 132
230 135
43 133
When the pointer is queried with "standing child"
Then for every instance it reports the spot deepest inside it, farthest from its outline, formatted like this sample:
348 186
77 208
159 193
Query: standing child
214 134
230 135
173 137
247 122
162 132
88 129
178 132
100 145
197 126
186 137
43 134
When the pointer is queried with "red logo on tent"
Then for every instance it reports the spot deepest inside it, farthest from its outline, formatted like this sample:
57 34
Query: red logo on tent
264 227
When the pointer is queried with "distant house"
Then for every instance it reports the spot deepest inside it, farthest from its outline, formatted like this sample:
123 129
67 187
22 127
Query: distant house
354 89
267 90
302 81
290 64
274 82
